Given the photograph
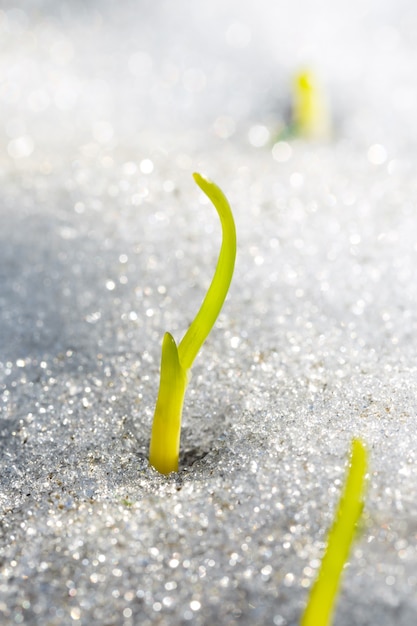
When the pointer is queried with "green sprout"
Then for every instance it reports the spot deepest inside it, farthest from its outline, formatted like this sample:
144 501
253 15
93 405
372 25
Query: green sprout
176 361
310 115
321 602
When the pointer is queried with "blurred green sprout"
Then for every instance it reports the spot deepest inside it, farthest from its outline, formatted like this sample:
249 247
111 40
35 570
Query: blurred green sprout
311 119
176 360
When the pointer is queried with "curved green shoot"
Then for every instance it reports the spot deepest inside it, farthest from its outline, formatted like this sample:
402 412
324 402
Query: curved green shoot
216 294
176 361
321 602
310 115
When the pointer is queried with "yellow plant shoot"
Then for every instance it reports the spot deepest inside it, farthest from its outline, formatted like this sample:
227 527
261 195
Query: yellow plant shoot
176 360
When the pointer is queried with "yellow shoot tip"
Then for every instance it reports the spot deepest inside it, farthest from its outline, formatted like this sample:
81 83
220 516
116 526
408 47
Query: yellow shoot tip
176 361
310 113
321 602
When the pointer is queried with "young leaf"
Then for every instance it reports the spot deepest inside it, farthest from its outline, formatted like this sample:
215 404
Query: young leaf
321 602
176 362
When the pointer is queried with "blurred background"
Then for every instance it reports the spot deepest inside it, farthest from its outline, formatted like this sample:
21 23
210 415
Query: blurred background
91 77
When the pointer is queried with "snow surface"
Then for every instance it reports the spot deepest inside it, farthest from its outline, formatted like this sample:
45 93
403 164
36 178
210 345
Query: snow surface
106 109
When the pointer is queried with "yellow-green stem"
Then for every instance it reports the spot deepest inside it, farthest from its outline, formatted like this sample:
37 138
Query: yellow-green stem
321 602
166 427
